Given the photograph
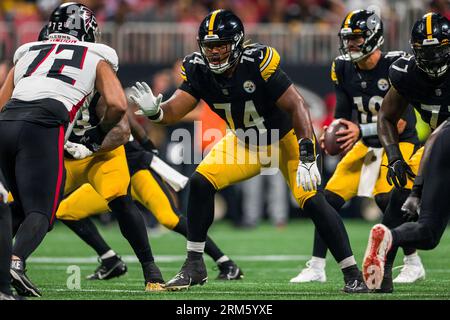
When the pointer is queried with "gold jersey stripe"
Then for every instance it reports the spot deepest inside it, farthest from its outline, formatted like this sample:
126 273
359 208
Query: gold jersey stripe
268 56
211 22
347 19
333 72
183 73
271 65
429 26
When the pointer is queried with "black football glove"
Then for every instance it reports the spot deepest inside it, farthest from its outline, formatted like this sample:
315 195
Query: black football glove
93 138
148 145
411 207
398 169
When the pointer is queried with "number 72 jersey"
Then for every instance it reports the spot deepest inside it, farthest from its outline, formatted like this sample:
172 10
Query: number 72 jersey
61 70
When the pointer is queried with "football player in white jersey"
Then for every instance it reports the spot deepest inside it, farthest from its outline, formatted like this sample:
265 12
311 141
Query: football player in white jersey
49 82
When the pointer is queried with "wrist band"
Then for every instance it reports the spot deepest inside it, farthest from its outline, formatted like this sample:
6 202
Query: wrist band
158 116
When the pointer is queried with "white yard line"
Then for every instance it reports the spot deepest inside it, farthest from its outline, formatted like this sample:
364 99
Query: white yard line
165 258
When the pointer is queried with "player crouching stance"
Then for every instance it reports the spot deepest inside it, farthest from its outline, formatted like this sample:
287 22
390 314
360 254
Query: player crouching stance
246 87
423 81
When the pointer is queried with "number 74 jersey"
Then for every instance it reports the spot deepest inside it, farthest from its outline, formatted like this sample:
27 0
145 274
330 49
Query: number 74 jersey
60 69
247 99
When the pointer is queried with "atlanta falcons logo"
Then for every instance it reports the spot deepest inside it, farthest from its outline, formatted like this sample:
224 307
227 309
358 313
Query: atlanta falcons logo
88 18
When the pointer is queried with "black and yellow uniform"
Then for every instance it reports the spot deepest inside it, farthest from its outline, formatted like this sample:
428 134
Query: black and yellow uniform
147 187
432 100
107 172
363 91
246 101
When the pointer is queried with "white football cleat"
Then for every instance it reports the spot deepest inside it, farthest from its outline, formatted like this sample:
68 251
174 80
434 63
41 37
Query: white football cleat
412 270
380 241
314 272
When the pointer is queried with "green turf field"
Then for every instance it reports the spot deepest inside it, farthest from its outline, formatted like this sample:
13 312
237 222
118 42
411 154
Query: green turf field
268 257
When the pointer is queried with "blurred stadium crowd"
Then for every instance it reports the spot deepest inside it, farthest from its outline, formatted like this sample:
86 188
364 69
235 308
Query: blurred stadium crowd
326 14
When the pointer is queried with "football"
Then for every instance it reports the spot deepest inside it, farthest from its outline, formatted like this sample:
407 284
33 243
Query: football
331 145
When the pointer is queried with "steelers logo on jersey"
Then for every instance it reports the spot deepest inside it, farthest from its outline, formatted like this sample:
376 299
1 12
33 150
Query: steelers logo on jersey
383 84
249 86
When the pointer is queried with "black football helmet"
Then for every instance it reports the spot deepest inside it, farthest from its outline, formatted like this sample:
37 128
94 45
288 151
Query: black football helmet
43 34
430 42
74 19
365 24
224 31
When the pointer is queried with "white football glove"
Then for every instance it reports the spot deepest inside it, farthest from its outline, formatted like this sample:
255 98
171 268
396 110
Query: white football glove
143 97
308 176
77 151
3 194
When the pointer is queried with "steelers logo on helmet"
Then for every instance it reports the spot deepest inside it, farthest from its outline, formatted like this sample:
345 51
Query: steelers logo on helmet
221 40
361 33
430 42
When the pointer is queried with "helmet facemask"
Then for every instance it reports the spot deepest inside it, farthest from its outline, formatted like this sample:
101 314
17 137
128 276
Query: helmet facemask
434 60
365 48
221 54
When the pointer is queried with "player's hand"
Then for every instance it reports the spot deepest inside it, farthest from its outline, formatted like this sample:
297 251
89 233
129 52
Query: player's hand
77 151
148 104
398 173
3 194
93 138
322 139
411 208
308 176
348 136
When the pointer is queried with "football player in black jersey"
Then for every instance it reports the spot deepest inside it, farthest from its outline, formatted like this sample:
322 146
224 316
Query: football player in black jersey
148 188
360 76
422 80
246 87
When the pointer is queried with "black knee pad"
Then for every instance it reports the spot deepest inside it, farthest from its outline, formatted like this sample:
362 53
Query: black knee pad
335 200
432 236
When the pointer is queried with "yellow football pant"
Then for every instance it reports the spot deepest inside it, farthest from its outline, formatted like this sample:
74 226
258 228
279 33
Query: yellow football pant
345 180
107 173
229 162
146 187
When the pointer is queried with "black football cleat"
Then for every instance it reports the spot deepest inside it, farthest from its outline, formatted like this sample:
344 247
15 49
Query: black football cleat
20 282
356 286
229 270
109 268
387 286
154 281
192 272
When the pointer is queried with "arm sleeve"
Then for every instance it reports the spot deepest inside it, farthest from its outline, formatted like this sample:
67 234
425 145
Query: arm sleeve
277 84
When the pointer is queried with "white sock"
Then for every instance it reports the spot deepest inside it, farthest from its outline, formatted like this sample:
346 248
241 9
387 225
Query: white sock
222 259
413 258
108 254
347 262
318 263
196 246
